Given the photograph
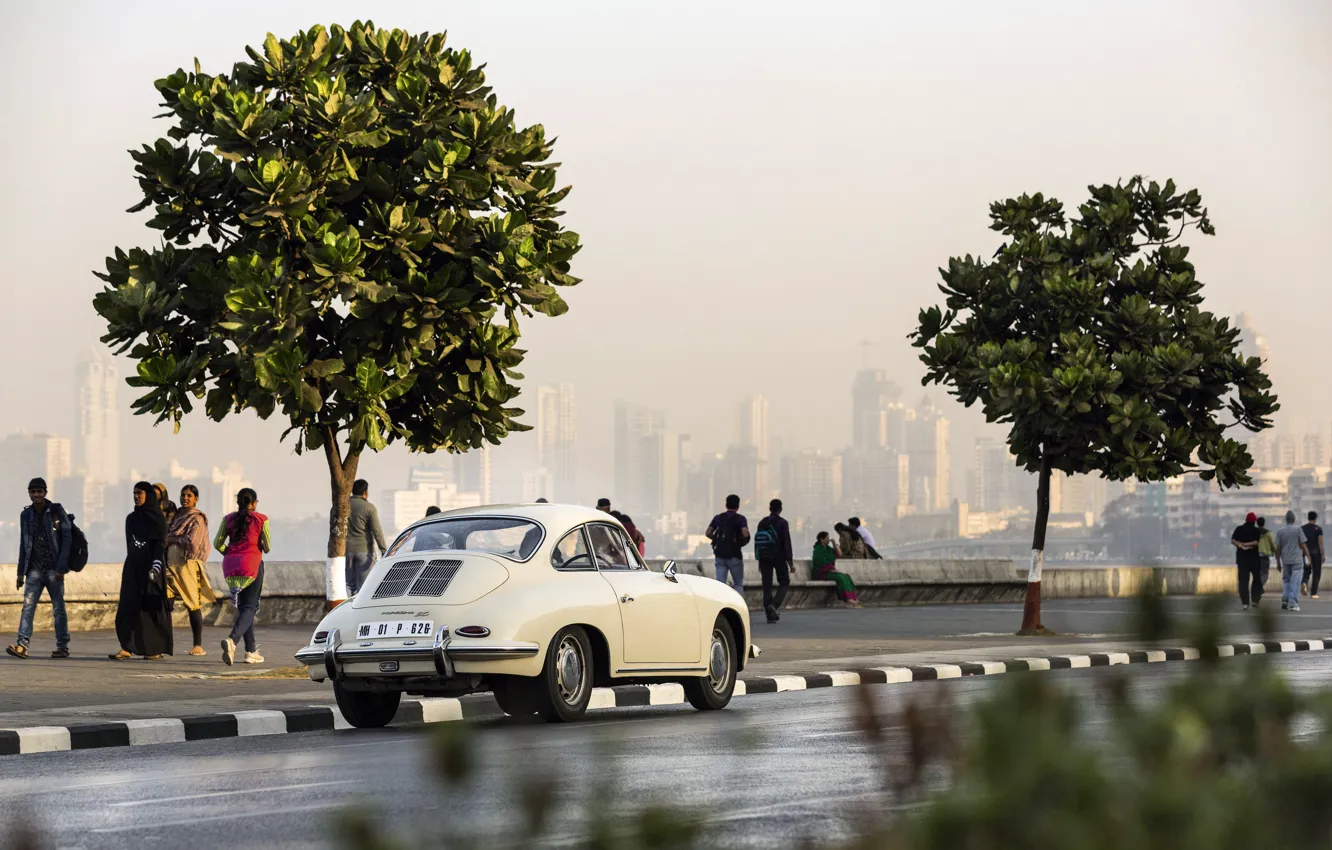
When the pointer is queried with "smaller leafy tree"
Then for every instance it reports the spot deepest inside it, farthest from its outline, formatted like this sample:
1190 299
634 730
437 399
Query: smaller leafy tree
353 226
1087 338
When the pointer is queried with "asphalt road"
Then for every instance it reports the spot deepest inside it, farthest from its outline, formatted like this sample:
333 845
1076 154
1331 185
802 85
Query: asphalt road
765 772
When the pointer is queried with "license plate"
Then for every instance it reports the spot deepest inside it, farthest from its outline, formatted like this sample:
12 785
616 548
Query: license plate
395 628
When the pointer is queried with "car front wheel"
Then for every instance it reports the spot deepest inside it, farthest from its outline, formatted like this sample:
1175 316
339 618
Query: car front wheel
564 687
366 709
713 691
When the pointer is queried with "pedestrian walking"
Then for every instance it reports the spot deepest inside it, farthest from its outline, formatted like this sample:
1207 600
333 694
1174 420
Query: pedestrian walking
143 615
850 544
45 534
1313 541
864 533
243 539
1292 552
729 533
363 535
825 569
772 548
1247 562
164 499
187 551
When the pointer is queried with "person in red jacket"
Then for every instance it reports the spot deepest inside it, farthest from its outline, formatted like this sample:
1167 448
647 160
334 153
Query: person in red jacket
243 539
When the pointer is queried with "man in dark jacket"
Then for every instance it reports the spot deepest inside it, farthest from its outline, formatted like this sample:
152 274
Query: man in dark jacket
45 536
772 547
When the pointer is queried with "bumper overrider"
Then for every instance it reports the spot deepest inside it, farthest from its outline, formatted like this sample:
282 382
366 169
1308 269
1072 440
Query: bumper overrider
443 652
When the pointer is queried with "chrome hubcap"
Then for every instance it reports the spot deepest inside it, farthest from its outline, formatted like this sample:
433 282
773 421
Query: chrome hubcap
719 663
569 667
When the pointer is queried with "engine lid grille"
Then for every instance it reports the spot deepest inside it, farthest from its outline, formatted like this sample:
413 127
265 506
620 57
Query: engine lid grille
397 580
435 578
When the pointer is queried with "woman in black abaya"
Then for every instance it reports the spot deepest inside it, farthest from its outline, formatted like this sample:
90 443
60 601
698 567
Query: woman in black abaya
143 619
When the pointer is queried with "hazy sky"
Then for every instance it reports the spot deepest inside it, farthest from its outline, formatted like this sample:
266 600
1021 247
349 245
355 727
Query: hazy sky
760 187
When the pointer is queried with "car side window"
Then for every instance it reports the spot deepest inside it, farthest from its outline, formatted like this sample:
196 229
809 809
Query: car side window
608 544
571 552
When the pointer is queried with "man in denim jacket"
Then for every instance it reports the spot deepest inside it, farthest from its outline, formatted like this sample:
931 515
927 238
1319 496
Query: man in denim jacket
45 535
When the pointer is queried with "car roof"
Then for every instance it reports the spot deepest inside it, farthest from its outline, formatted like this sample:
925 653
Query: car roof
554 517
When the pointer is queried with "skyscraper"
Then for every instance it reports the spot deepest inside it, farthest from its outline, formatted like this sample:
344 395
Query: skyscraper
27 456
752 439
647 462
931 468
556 438
96 378
999 483
874 425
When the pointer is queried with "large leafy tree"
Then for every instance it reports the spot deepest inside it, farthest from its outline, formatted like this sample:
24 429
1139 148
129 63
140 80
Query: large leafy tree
1087 338
352 226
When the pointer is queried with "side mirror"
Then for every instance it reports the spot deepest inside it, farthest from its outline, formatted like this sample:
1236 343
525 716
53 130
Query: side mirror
669 571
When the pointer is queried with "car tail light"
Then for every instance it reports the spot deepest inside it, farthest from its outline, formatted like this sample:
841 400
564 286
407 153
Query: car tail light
320 637
473 631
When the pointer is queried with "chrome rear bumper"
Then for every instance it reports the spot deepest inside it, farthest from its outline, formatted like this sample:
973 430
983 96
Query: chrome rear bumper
443 652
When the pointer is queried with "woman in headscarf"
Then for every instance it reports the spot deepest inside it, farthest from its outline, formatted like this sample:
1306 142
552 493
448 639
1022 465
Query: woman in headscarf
243 539
186 554
168 506
850 544
143 618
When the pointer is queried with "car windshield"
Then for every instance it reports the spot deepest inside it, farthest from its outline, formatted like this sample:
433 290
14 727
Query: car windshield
508 536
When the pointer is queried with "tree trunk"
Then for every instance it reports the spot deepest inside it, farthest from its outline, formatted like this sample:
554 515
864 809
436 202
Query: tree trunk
1031 609
341 474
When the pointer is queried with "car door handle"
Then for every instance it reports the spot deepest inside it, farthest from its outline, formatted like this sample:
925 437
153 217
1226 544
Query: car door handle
626 598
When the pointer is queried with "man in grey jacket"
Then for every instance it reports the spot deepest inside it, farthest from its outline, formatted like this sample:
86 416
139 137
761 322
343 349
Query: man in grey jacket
45 536
363 533
1292 552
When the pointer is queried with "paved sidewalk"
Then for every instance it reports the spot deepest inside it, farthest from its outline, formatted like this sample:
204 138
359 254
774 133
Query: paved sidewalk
88 687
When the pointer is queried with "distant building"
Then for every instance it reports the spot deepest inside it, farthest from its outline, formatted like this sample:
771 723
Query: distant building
877 419
647 462
1251 343
1315 450
875 481
1285 452
471 473
26 456
96 379
426 486
997 482
752 435
556 432
812 482
931 468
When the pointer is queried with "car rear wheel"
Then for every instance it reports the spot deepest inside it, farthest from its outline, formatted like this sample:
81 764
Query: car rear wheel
366 709
564 687
713 691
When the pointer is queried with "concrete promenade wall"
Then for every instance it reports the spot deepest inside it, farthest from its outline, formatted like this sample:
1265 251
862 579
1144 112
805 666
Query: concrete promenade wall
294 590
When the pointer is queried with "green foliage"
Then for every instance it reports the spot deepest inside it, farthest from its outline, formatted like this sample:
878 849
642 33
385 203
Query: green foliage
1088 339
352 227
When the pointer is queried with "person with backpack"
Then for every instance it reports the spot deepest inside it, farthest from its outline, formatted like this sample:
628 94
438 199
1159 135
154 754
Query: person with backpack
243 539
772 548
45 540
1313 541
729 533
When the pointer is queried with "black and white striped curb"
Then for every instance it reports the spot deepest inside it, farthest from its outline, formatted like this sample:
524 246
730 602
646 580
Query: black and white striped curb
129 733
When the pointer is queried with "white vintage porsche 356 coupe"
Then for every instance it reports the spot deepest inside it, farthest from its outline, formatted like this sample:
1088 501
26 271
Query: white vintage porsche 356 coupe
537 603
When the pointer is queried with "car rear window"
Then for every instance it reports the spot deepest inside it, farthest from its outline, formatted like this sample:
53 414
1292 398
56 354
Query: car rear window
510 537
